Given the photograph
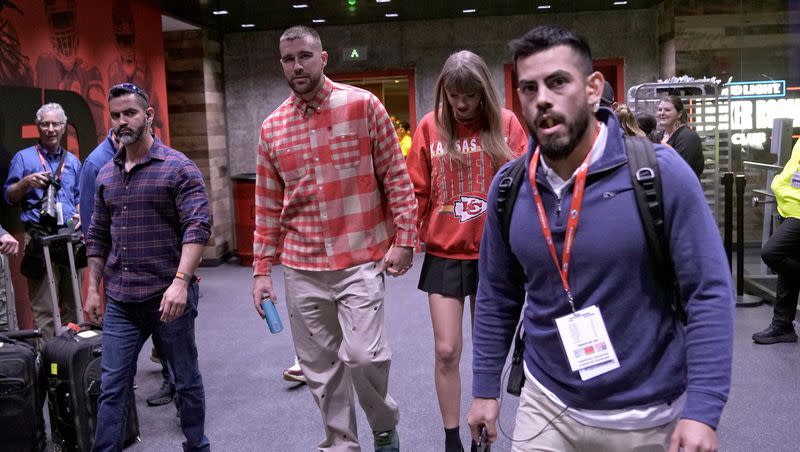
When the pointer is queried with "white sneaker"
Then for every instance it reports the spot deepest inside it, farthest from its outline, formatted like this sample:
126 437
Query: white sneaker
294 373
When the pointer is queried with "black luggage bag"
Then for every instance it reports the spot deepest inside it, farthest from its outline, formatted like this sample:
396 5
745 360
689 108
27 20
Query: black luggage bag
71 365
21 418
71 362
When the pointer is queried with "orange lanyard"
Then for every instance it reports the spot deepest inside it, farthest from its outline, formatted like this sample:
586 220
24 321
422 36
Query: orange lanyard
39 152
574 215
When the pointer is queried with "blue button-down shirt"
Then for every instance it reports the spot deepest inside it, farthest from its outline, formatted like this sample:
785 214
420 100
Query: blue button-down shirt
101 155
27 162
143 217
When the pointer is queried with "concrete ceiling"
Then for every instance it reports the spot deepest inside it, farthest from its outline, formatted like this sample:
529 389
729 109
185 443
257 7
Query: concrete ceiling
279 14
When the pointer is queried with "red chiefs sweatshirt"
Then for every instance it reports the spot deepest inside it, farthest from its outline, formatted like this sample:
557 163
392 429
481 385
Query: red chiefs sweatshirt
451 195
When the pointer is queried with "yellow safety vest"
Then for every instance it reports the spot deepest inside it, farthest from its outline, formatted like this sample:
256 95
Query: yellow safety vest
787 193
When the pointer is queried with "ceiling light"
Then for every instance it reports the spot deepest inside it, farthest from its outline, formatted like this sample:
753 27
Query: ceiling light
391 14
543 7
318 21
248 25
382 1
468 11
299 5
219 12
620 3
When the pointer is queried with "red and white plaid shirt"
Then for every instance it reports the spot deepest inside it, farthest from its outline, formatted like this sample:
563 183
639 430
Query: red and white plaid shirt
331 183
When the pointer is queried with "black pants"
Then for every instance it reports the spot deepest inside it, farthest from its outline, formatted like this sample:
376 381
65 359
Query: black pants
782 254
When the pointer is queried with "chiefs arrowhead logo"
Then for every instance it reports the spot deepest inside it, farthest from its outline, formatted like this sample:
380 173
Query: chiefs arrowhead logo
467 208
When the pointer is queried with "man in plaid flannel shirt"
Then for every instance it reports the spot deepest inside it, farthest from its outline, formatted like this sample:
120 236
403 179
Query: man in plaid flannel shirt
333 191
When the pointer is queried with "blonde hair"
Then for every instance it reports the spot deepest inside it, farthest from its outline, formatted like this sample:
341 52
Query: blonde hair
628 121
466 72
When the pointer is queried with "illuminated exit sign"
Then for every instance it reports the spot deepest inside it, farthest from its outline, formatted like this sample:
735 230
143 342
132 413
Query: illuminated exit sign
354 53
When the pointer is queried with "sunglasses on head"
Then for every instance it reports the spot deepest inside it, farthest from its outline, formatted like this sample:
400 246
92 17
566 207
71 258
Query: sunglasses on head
130 88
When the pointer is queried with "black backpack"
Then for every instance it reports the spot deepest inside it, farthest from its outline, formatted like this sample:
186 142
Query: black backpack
647 187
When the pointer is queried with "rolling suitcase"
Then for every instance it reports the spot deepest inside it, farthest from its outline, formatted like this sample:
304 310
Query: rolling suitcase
8 308
71 364
21 401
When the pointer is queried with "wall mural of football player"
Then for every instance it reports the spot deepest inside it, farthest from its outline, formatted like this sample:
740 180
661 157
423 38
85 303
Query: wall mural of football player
126 68
15 68
63 69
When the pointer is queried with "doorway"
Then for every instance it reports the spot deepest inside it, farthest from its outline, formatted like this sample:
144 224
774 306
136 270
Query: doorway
394 88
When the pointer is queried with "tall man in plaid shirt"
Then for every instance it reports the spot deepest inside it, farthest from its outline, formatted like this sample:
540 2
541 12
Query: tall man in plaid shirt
150 223
331 181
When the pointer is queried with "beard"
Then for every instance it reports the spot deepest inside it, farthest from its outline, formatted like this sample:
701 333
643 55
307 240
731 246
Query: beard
560 147
131 136
308 87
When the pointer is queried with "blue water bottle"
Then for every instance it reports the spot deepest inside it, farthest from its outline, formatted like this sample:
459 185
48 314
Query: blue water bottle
273 319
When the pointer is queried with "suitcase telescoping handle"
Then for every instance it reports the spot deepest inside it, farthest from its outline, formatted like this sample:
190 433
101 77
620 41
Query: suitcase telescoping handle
22 334
11 306
70 236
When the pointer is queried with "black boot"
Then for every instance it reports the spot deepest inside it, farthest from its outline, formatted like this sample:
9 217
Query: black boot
163 396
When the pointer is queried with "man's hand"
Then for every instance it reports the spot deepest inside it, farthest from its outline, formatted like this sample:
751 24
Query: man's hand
36 180
262 285
173 303
76 221
693 436
483 412
91 307
397 260
8 245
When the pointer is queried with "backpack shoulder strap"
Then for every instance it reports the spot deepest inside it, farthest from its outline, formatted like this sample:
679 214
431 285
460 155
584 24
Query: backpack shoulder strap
649 201
507 195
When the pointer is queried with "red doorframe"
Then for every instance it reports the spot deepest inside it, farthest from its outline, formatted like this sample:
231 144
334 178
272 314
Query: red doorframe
613 69
408 73
512 100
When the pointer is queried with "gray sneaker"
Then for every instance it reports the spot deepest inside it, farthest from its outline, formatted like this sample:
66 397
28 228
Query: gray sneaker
386 441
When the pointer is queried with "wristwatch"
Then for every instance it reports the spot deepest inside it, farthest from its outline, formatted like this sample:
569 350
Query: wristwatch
183 276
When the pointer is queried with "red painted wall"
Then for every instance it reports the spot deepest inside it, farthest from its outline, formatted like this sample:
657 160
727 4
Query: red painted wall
84 46
105 42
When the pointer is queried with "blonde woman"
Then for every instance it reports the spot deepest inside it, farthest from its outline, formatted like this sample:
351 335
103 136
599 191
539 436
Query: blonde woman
455 152
628 122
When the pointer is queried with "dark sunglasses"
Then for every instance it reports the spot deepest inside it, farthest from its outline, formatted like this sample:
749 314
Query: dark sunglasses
116 90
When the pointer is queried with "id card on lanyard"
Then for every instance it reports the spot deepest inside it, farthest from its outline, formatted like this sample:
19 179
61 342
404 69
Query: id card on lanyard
583 333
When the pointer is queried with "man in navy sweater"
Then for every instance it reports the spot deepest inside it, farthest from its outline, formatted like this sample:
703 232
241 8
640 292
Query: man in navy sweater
608 363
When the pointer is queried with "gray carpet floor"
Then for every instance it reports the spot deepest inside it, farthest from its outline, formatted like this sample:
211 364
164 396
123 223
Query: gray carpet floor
251 408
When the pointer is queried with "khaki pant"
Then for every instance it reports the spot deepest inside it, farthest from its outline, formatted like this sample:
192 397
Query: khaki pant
337 327
565 434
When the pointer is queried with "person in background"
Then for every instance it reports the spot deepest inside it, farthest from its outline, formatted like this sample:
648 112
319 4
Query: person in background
647 122
404 135
607 99
456 150
33 170
333 190
627 121
608 364
781 253
8 244
672 120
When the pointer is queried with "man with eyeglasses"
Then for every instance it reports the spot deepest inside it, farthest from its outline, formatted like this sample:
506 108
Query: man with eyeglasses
150 223
33 170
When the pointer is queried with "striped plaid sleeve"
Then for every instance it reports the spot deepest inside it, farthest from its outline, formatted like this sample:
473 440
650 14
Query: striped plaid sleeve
192 202
390 166
269 203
